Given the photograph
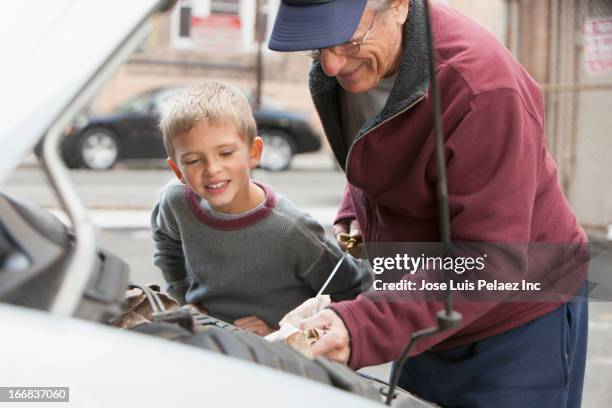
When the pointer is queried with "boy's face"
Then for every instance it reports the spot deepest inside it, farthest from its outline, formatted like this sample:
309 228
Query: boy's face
215 162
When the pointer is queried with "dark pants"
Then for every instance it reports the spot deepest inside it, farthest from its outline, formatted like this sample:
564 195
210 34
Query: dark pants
540 364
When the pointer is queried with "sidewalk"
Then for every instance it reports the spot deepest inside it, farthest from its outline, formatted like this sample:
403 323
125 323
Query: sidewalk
140 219
320 160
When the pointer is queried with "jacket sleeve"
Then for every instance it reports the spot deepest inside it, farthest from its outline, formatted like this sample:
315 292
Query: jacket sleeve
493 159
168 254
317 255
345 210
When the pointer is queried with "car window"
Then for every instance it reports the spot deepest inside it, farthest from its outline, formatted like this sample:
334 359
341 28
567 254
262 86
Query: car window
162 96
266 102
138 104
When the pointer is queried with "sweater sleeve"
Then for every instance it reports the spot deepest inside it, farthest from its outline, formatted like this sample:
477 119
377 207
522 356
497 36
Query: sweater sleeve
168 254
345 211
492 175
317 255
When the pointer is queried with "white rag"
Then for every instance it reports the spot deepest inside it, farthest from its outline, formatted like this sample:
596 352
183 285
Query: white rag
289 332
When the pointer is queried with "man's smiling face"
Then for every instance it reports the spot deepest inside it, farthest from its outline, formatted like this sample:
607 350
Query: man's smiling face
377 58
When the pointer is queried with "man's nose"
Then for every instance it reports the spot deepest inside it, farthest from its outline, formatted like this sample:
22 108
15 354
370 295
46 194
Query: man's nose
331 63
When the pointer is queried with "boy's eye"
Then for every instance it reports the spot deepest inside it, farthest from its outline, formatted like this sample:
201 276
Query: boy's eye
190 161
226 154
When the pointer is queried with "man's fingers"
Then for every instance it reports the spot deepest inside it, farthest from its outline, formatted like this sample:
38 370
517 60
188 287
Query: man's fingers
339 229
355 233
355 230
349 229
330 345
334 344
318 321
357 251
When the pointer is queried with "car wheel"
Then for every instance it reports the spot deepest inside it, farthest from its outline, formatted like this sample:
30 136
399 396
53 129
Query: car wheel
72 163
98 149
278 151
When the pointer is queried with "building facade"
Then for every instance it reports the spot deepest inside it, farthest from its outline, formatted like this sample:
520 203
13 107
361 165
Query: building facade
566 45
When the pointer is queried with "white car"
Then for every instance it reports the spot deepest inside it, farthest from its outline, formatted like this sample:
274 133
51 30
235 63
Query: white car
58 290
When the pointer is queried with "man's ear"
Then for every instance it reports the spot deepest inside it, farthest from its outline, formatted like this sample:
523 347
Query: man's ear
256 151
175 169
400 10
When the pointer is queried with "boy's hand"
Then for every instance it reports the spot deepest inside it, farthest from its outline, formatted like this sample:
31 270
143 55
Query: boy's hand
334 344
253 324
352 229
199 308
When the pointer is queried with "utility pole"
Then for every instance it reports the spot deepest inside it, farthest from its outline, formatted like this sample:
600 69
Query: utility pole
260 33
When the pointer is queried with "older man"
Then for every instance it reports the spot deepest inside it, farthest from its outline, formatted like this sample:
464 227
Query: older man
369 82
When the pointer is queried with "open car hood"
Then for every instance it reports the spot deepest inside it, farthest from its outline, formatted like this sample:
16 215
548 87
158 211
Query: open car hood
53 48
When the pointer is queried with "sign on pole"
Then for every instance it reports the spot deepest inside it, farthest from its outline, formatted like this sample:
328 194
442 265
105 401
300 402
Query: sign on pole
598 45
217 32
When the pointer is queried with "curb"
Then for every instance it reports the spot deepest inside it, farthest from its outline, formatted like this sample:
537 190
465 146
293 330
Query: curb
140 219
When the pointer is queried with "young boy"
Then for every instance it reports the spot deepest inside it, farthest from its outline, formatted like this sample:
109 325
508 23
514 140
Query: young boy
224 242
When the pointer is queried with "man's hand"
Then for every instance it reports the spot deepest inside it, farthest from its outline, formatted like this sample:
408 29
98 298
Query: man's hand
351 228
334 344
253 324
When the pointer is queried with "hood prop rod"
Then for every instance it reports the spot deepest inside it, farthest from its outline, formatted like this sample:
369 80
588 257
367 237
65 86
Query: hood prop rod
447 318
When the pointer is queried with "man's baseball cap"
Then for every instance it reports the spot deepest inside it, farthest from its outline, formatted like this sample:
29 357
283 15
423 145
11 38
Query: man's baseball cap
313 24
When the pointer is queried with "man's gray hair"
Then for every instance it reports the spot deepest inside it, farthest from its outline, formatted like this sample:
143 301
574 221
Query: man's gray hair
379 5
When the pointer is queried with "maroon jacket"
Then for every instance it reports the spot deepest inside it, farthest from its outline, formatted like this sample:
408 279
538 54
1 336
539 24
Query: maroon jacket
502 182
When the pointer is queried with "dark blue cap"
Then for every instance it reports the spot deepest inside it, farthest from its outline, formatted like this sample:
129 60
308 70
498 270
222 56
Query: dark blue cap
313 24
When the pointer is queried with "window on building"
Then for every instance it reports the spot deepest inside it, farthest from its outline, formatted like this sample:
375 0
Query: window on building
181 24
185 20
225 6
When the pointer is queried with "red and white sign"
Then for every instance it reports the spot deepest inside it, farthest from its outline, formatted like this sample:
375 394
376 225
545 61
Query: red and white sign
219 33
217 21
598 45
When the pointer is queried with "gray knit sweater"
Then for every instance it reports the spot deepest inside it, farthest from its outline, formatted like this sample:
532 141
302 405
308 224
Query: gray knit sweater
264 264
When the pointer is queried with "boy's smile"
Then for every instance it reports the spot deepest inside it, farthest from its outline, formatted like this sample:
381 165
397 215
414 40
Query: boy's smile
215 162
218 188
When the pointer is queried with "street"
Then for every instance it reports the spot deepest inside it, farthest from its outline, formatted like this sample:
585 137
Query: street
121 199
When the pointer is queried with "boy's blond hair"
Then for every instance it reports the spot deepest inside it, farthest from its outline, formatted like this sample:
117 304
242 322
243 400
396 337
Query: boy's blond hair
217 103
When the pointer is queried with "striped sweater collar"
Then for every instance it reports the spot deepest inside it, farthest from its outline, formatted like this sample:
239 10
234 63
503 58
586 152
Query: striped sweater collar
235 224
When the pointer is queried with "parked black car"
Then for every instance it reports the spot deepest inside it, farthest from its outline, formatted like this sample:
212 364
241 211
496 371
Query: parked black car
131 132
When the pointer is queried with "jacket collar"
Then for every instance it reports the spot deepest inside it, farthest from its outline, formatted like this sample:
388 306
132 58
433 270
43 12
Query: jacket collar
411 84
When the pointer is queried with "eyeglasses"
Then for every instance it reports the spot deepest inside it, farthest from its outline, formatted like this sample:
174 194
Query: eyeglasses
348 48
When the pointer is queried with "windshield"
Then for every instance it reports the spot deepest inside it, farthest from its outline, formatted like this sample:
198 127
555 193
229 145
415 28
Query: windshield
149 101
138 104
